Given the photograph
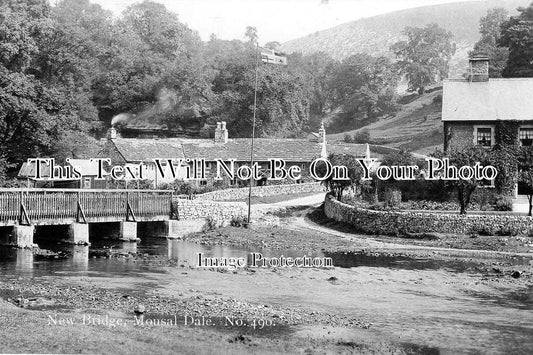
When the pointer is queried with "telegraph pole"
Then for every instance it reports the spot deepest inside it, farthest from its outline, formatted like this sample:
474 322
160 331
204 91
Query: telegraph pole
253 135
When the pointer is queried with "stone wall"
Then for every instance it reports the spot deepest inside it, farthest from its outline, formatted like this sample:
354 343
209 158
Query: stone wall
199 208
261 191
398 223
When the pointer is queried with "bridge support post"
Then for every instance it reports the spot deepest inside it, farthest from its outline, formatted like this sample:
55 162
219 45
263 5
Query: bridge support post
22 236
176 229
173 229
128 231
78 233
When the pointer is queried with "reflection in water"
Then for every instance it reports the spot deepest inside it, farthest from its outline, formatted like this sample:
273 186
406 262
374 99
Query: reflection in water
24 260
127 247
80 257
117 257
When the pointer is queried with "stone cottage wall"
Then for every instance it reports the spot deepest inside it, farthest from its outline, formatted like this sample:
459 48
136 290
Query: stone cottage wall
395 222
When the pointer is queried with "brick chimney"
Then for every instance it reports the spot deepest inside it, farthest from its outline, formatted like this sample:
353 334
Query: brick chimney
479 69
221 133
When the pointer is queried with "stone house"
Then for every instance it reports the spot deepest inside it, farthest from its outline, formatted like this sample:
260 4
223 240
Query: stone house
482 111
87 169
301 152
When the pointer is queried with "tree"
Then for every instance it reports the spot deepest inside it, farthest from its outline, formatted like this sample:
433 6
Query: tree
152 54
282 102
251 34
337 186
517 35
45 81
272 45
318 70
466 157
489 28
364 86
424 56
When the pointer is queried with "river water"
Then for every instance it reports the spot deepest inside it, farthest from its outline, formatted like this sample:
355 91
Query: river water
111 257
479 319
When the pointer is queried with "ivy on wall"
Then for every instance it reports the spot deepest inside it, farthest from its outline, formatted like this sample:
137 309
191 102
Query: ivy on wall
506 136
506 133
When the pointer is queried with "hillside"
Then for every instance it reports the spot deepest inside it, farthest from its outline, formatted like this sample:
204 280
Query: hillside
375 35
417 127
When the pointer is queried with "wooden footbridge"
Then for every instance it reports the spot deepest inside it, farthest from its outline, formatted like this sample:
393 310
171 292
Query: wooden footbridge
23 209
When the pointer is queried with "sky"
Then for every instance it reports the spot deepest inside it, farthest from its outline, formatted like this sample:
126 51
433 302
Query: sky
275 20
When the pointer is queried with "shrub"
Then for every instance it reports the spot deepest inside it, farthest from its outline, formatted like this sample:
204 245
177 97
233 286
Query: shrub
238 221
12 183
503 203
185 188
437 99
428 205
211 223
484 229
393 198
348 138
362 136
483 198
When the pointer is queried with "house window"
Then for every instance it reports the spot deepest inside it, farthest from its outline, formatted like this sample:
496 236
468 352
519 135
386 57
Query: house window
484 136
525 135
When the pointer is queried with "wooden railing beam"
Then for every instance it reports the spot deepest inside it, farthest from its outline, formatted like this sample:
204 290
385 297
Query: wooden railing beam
33 205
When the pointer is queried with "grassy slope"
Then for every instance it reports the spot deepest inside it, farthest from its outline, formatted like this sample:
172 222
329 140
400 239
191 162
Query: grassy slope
417 127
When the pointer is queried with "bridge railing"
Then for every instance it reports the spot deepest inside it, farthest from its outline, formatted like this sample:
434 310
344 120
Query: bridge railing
26 205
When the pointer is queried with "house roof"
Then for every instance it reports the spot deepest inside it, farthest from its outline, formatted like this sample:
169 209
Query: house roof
290 150
86 167
137 150
27 170
496 99
297 150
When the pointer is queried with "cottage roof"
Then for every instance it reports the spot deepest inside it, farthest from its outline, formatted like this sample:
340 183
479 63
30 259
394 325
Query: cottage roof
290 150
295 150
86 167
496 99
28 170
137 150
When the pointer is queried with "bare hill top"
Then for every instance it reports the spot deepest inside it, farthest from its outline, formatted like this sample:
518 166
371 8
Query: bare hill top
375 35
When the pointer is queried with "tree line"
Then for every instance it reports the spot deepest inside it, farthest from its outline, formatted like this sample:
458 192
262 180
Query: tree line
66 70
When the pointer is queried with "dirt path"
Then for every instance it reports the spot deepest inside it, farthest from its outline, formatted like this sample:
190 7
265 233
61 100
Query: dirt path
302 223
313 200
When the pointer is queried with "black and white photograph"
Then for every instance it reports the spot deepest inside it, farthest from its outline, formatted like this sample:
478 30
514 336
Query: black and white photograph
266 177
